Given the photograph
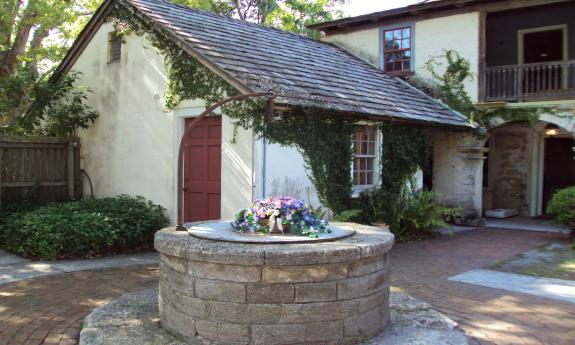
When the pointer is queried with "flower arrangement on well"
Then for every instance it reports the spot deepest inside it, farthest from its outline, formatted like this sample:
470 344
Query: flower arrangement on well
280 214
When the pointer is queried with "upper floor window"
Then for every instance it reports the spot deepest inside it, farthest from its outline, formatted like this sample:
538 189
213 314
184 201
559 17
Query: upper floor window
114 47
364 156
397 50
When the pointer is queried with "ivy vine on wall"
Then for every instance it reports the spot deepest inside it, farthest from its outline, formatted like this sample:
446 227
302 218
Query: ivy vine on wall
325 142
449 86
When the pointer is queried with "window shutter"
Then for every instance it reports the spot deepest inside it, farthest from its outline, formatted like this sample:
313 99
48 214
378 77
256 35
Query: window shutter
114 47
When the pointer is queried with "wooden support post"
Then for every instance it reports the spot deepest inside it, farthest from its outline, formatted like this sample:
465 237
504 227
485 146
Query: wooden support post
70 170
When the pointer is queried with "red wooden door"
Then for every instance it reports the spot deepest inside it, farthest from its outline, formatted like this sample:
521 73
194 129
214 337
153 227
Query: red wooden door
202 170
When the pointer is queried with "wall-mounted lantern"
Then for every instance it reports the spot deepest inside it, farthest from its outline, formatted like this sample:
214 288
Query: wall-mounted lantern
551 130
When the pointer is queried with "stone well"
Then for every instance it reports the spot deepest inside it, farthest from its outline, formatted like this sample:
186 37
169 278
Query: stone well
329 292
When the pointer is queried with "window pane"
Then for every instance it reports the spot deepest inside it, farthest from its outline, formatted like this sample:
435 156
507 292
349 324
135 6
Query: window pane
397 66
397 34
406 33
407 54
369 177
388 35
371 150
389 66
406 43
406 65
388 45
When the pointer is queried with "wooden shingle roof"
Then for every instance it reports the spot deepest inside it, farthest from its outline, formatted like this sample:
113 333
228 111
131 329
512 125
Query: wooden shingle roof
303 71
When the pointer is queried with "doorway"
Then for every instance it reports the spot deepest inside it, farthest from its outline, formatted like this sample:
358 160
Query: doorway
559 166
543 48
202 170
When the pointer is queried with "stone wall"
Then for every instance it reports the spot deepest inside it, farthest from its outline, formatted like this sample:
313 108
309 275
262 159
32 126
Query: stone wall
458 170
321 293
509 166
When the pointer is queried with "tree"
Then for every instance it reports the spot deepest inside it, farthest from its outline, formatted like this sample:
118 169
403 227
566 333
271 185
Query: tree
34 36
287 15
39 31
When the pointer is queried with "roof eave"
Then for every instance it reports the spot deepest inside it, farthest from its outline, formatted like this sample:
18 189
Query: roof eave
99 18
411 10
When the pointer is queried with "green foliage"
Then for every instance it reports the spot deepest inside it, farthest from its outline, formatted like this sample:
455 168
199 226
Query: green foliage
44 107
82 229
451 82
449 86
410 213
326 146
295 15
562 207
354 215
405 150
287 15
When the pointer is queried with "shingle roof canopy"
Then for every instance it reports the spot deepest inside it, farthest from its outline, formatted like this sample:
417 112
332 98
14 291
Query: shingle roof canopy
302 70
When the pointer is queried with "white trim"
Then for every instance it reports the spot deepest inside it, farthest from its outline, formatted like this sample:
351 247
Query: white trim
521 34
357 189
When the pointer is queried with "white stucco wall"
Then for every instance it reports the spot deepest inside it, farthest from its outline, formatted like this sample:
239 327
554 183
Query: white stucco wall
363 44
130 147
285 173
458 32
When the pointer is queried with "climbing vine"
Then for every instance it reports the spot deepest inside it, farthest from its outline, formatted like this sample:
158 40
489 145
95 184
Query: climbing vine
324 141
405 150
450 88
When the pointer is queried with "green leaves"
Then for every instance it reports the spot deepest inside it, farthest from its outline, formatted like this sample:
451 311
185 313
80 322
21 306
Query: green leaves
86 228
562 207
44 107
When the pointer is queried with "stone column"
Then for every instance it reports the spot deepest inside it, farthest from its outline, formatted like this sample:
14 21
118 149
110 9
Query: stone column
458 172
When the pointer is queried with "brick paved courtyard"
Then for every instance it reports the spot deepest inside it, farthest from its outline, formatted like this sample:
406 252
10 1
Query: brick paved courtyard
50 310
490 316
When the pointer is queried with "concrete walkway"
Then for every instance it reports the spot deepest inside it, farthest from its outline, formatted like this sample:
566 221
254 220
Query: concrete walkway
559 289
14 268
525 223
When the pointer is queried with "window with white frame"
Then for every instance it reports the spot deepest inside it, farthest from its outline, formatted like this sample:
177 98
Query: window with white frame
364 156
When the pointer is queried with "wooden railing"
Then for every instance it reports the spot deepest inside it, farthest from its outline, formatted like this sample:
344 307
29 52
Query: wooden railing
39 169
535 81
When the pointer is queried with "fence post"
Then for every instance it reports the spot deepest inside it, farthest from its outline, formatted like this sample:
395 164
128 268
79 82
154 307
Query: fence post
70 169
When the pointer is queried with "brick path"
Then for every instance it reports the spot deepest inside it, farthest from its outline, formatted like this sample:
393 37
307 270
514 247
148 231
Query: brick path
51 310
490 316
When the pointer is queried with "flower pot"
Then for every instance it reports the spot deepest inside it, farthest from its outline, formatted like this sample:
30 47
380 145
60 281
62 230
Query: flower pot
266 222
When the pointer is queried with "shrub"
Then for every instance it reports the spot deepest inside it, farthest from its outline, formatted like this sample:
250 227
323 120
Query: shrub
411 214
353 215
562 207
85 228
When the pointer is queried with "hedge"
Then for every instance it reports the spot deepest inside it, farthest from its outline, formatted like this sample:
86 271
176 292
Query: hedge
82 229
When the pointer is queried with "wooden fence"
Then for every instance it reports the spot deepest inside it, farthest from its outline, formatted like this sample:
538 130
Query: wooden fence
39 169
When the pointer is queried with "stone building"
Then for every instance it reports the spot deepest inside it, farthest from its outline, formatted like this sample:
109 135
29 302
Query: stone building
522 55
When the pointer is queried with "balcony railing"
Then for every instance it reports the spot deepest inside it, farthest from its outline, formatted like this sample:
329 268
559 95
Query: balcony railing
534 81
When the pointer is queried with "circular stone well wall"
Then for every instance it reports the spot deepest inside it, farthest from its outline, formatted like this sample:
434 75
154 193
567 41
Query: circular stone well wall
243 293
